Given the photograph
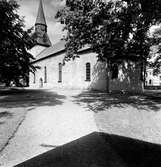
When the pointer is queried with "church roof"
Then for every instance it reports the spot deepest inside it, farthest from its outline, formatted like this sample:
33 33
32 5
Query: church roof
60 46
54 50
40 17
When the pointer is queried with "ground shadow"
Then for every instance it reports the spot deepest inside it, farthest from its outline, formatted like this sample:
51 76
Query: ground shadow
29 98
99 101
100 150
5 114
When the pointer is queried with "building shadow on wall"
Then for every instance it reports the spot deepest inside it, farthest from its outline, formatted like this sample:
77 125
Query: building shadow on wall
99 101
128 77
100 150
99 76
29 98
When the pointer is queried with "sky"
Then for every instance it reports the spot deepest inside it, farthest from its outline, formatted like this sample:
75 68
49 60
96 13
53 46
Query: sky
29 9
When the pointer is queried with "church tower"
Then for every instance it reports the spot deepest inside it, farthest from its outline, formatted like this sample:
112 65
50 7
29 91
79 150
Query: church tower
41 28
40 34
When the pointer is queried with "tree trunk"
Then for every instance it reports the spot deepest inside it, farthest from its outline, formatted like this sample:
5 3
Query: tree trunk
7 83
107 77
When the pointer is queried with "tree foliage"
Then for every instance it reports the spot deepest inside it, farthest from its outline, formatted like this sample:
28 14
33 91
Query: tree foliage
14 43
114 29
155 61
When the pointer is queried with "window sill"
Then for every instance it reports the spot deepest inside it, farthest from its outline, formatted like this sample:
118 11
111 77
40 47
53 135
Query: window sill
59 81
87 80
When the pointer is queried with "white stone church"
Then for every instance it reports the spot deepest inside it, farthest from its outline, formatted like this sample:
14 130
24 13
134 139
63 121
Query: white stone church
82 73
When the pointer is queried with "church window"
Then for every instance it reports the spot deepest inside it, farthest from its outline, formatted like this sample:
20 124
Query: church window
45 74
88 71
34 78
60 72
150 82
114 71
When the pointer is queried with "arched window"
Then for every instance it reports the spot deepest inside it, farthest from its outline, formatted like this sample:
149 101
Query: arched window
88 71
150 82
34 78
60 72
45 74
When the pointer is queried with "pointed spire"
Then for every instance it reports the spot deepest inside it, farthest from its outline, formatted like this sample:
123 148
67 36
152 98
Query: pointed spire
40 34
40 17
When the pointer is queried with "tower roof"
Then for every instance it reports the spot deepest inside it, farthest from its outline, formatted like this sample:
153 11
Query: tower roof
40 34
40 16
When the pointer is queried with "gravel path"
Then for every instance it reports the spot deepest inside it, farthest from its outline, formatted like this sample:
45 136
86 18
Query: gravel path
60 116
131 122
44 128
136 116
10 120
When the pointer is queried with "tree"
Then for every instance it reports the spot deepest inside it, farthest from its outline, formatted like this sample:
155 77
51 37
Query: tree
14 43
116 30
155 61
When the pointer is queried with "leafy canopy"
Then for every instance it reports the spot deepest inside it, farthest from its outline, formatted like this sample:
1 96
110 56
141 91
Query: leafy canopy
115 29
155 52
14 43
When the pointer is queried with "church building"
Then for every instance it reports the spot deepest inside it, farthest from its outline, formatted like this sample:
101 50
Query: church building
84 72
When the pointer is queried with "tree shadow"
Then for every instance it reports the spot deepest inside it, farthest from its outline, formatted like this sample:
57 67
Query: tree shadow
128 77
100 150
29 98
5 114
99 76
99 101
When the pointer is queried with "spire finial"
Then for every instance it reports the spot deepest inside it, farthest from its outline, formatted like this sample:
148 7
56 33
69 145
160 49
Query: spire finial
40 16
